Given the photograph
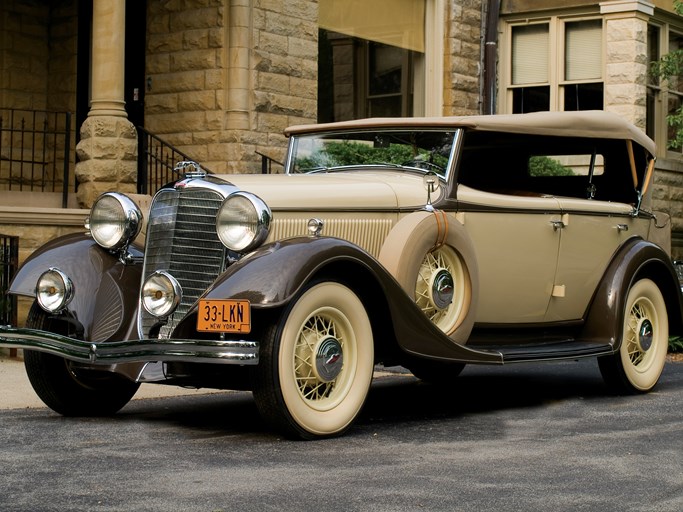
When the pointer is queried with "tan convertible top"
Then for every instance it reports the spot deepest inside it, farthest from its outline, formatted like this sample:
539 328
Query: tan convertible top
591 124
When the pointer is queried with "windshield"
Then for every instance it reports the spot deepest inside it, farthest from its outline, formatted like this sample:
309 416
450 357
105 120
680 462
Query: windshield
407 150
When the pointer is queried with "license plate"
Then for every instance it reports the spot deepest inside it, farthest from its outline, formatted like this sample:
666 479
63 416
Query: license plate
224 315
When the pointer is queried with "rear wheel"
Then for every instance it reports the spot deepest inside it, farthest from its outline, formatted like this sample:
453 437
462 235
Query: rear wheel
645 337
67 388
316 365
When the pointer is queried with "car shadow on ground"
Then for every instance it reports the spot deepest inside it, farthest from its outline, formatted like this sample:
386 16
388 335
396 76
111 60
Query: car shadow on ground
395 399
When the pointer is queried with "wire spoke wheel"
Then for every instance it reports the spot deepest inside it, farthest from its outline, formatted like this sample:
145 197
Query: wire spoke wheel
639 332
645 336
319 369
440 289
316 363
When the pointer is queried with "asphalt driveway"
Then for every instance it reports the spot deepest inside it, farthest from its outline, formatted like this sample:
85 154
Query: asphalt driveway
525 438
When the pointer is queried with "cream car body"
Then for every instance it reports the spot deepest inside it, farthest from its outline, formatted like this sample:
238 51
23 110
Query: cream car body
429 243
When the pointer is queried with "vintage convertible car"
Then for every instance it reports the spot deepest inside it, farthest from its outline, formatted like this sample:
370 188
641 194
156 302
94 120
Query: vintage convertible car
430 243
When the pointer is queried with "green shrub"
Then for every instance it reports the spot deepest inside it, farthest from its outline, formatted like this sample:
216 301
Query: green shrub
545 166
676 344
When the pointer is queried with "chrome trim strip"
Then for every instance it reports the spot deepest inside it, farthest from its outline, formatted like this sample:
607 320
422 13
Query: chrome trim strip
243 352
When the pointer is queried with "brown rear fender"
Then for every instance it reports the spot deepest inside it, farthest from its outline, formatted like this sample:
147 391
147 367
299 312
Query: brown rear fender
636 259
105 297
273 275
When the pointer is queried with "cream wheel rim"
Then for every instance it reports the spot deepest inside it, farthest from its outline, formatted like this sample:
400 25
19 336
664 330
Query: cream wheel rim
440 289
324 358
645 335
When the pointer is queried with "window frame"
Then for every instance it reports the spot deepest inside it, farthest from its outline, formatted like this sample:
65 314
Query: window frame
423 91
557 81
660 91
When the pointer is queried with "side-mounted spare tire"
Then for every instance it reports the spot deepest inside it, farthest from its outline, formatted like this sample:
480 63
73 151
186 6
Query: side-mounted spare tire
432 257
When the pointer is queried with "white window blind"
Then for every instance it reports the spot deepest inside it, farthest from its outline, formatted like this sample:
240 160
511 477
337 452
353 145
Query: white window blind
530 54
583 50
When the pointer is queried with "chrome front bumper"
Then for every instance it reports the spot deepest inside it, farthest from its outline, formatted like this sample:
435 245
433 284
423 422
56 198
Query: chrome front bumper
240 352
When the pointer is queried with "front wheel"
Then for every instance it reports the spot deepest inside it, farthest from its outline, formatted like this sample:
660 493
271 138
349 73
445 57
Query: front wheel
316 365
69 389
644 342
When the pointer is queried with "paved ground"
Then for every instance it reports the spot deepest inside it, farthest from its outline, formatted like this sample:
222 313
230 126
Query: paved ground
16 391
519 438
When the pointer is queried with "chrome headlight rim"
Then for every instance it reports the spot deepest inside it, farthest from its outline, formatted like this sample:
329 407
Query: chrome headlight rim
245 236
54 290
160 294
125 224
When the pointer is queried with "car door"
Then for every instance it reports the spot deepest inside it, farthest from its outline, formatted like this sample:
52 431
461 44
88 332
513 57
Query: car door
516 240
589 236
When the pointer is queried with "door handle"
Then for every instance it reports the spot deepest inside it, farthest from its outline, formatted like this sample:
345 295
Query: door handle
557 224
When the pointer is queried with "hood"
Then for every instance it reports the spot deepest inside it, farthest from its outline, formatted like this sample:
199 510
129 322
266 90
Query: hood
334 191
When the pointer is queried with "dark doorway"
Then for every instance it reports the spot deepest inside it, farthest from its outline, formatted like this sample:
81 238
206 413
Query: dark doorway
136 31
83 64
135 40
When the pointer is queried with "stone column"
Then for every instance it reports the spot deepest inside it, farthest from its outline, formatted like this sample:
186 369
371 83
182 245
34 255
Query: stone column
107 151
626 64
239 48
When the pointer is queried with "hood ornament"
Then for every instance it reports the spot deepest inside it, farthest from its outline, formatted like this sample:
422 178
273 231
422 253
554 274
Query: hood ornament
189 169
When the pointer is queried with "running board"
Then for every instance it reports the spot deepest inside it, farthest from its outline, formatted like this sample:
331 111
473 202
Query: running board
569 349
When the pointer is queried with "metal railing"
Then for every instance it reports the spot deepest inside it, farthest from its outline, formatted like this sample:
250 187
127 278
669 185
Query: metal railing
35 151
267 163
9 261
156 160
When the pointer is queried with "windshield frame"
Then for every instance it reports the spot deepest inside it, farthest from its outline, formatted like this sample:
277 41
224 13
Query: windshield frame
448 170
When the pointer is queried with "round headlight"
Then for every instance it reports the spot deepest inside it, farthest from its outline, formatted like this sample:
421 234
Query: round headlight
243 222
54 290
161 294
114 220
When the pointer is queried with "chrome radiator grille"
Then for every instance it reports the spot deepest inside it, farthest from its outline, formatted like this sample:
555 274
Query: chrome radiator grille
182 240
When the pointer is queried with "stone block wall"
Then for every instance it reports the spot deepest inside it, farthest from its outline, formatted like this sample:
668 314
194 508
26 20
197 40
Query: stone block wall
38 64
667 197
626 66
462 58
38 44
226 77
107 154
24 54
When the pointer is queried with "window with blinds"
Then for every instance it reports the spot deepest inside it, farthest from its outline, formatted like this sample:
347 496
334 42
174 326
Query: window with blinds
583 65
530 68
583 50
575 83
530 54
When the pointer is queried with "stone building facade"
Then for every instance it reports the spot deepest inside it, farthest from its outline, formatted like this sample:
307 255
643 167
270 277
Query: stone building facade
221 79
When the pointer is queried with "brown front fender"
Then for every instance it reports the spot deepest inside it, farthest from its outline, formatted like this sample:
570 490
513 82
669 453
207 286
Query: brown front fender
273 275
105 290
